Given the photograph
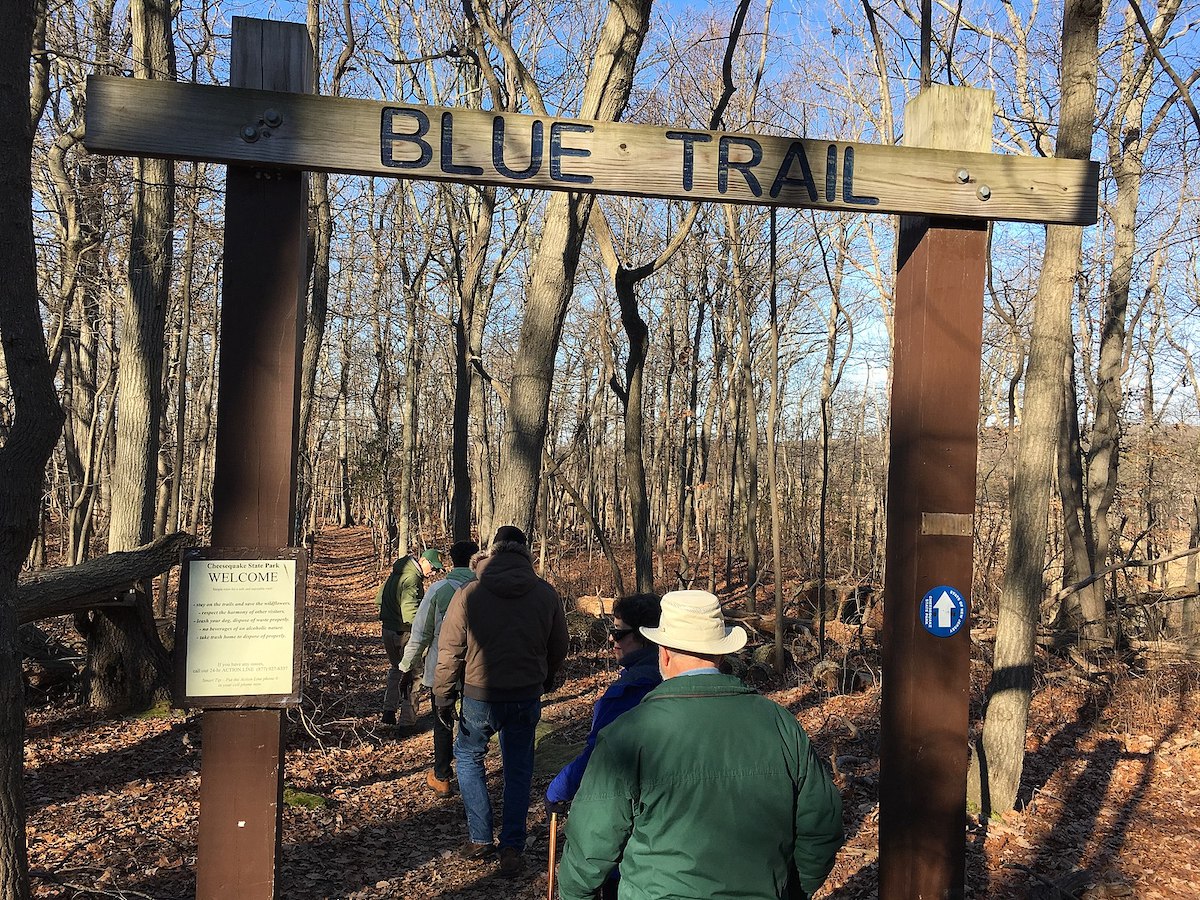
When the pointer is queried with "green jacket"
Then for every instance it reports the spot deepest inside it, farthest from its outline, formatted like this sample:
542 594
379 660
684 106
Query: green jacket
399 596
704 790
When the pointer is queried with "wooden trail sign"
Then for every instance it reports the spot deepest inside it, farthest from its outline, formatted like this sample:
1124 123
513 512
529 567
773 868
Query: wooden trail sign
259 128
331 134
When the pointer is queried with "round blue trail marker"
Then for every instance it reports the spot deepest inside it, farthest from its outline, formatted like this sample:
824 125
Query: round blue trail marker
943 611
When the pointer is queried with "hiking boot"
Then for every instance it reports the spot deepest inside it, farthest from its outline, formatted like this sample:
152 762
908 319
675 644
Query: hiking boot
511 861
438 786
474 852
389 717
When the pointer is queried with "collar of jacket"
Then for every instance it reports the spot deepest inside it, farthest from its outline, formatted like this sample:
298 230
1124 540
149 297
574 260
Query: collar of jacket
700 686
640 656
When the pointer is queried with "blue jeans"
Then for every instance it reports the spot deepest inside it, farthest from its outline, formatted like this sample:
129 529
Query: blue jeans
515 723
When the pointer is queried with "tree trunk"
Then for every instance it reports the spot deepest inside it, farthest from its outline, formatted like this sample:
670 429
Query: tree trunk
69 589
473 301
1077 551
631 401
831 376
127 664
35 427
553 278
1128 138
408 426
204 430
1191 606
315 320
773 459
320 238
996 768
175 500
688 444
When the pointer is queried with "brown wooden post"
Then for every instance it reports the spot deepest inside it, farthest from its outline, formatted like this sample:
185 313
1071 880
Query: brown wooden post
931 504
254 480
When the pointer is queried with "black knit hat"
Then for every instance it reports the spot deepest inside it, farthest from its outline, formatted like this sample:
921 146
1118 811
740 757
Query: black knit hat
510 533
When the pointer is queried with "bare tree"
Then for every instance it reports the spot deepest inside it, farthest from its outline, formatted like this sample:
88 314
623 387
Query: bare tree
605 95
29 437
999 757
127 664
1129 135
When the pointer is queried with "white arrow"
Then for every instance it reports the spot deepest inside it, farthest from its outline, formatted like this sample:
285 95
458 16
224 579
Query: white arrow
944 607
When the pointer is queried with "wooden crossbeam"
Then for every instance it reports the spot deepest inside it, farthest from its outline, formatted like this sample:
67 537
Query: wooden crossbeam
314 133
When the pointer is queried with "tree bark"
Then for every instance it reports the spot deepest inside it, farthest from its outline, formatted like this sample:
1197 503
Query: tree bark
553 278
72 589
1128 138
1191 607
320 239
34 428
1001 752
127 664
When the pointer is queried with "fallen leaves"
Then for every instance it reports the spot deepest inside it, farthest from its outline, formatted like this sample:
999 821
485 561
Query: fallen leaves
113 803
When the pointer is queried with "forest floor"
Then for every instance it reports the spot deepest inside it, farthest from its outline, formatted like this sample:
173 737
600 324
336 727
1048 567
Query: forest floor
1110 799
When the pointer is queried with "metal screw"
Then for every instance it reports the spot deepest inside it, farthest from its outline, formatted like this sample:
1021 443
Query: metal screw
963 176
273 118
984 192
249 134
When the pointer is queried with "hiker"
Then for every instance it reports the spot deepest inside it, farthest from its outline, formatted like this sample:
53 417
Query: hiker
504 639
705 788
398 599
426 626
638 657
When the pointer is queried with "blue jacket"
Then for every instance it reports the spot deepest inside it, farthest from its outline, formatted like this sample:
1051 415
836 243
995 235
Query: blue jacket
638 677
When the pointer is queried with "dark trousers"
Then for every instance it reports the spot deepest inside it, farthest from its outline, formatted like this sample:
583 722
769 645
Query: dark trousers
443 747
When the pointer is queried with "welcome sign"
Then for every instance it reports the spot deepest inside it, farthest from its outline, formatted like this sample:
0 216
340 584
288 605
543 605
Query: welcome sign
238 632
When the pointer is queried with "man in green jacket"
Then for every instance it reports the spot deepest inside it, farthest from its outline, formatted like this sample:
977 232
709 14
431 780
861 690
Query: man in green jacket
398 599
706 789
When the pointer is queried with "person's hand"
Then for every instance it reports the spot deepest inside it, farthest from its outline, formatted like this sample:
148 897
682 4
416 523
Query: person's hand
406 681
557 807
554 682
445 715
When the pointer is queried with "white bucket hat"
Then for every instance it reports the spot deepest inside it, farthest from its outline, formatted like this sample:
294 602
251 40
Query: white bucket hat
692 620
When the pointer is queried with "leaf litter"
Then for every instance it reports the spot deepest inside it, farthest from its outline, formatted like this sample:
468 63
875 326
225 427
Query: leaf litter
1110 804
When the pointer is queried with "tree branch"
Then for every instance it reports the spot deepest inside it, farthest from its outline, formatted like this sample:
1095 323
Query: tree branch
55 592
1070 589
1180 86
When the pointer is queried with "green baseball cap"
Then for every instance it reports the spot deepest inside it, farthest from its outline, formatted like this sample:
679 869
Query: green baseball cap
433 558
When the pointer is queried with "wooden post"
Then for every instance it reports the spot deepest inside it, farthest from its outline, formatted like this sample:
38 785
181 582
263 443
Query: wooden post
931 504
254 480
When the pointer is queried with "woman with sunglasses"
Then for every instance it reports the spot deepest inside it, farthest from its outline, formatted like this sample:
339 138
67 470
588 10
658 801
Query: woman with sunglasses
638 658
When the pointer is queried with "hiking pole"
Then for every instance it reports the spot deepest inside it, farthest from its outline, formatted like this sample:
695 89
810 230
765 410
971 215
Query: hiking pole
553 849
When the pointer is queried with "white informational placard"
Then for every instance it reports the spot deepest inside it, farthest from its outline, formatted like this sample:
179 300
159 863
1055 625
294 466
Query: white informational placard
241 626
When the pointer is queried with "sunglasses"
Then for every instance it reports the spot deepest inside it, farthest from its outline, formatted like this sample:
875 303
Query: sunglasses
618 633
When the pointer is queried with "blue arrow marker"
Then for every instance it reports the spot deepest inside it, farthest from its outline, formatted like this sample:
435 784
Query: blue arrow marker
942 611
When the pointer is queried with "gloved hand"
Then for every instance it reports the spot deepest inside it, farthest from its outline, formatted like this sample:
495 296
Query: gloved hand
406 681
445 715
557 806
554 682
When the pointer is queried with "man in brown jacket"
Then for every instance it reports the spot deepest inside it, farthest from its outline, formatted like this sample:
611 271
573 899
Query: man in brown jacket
504 639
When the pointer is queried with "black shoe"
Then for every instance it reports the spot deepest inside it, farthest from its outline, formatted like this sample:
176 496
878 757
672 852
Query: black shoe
473 851
389 717
511 861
